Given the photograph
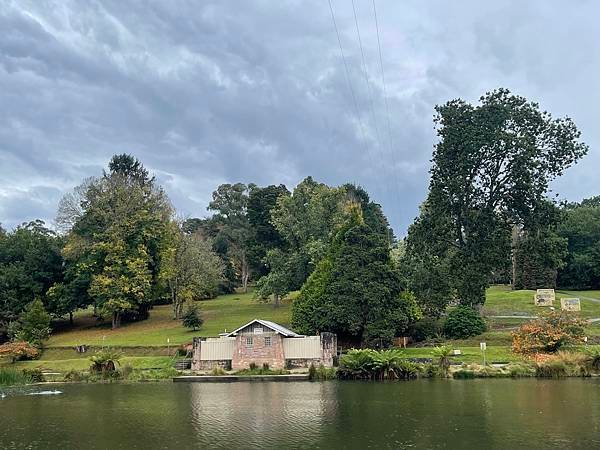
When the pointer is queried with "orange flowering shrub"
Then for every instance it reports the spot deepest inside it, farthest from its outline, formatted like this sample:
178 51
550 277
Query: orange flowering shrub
18 350
548 333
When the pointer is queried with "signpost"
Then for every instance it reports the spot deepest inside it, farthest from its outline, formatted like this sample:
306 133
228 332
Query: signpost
483 346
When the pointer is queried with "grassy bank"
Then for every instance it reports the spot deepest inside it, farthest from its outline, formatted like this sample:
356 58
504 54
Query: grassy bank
226 312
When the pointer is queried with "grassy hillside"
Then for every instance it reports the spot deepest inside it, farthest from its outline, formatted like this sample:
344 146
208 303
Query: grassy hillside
226 312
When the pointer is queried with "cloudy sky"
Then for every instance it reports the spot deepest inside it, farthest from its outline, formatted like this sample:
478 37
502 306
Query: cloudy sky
256 91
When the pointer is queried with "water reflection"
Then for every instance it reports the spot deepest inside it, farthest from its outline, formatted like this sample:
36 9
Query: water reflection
262 414
430 414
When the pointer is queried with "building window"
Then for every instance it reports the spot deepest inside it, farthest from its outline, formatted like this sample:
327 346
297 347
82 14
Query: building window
267 341
249 341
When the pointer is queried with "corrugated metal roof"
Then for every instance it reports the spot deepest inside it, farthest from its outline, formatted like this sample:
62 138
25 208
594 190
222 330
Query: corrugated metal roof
272 325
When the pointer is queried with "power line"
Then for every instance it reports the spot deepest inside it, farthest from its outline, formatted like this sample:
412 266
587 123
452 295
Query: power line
348 77
387 108
365 73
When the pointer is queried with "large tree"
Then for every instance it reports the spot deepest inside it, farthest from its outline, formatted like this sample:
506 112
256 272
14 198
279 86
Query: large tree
194 271
230 207
118 242
30 263
355 290
491 170
581 229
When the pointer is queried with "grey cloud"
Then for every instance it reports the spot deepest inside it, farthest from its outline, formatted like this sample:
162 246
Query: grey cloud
255 91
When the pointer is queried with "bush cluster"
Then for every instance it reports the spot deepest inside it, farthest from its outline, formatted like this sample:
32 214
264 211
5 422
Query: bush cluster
464 322
549 333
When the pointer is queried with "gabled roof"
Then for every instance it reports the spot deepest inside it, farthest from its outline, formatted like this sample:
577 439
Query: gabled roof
272 325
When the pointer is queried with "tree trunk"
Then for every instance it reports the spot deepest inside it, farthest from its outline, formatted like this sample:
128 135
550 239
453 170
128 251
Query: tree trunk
71 317
276 300
245 273
514 244
116 319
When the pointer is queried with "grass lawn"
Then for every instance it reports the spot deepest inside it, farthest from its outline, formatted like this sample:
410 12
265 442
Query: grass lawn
501 300
469 354
64 365
226 312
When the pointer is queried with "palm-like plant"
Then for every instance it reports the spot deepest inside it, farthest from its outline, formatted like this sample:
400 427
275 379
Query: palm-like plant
386 362
442 354
105 361
592 358
357 363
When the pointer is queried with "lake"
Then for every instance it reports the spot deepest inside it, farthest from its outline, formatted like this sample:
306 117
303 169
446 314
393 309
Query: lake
486 414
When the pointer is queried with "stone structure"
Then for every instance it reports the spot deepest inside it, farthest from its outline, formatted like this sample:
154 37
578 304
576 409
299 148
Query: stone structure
262 342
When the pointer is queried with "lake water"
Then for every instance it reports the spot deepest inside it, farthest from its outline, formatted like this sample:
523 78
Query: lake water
466 414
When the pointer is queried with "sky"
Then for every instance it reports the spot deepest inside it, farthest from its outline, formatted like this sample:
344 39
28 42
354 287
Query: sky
213 92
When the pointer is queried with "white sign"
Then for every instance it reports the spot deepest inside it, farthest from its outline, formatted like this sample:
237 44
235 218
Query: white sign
482 346
570 304
544 297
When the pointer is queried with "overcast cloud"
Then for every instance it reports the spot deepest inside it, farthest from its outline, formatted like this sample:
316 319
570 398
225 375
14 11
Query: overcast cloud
255 91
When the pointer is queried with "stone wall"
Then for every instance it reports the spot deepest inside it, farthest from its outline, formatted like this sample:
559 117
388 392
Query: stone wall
258 353
328 349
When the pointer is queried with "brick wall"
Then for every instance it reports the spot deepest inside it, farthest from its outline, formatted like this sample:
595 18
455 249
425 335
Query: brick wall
258 353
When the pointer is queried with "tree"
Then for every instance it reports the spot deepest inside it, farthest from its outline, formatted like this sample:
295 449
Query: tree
278 282
230 204
194 273
491 170
464 322
355 289
34 324
549 333
118 244
192 318
30 263
264 236
581 229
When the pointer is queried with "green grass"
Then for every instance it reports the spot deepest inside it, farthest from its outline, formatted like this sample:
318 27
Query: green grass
501 300
226 312
64 365
11 376
469 354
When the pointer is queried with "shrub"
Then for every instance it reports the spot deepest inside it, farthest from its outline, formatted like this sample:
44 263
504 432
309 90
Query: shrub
551 369
20 350
105 361
373 364
464 374
406 370
218 371
548 333
33 325
35 375
592 358
76 376
426 328
464 322
322 373
192 317
442 354
356 364
518 370
265 366
13 377
312 371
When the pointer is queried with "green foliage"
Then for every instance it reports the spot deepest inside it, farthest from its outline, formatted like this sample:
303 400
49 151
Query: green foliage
192 317
321 373
34 324
426 328
119 238
30 263
442 355
193 271
464 322
592 358
230 205
355 291
581 228
105 362
491 169
254 370
14 377
376 364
